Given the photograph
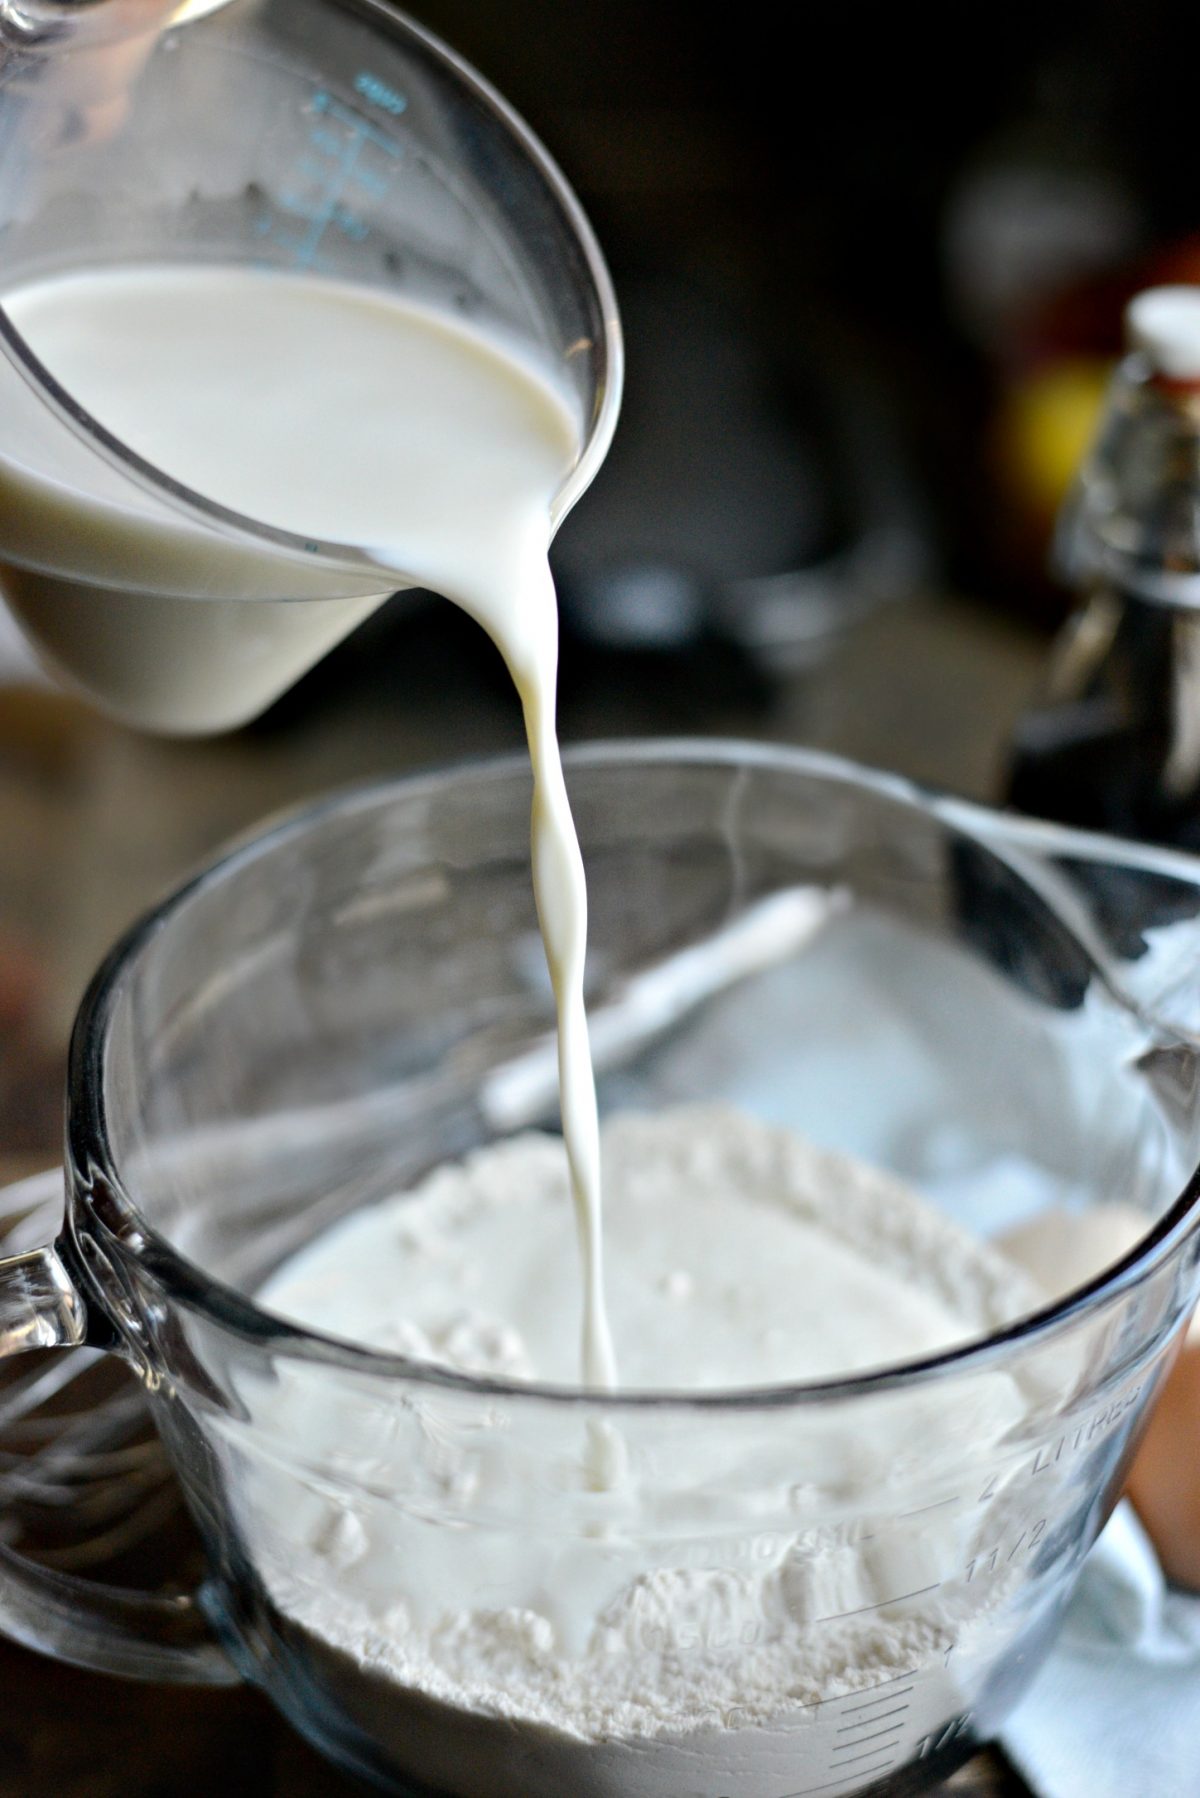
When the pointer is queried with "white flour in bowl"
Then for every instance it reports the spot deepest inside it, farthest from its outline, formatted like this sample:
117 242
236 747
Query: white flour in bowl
745 1598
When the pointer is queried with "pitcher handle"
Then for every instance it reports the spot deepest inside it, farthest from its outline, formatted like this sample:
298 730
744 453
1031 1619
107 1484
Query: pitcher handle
100 1627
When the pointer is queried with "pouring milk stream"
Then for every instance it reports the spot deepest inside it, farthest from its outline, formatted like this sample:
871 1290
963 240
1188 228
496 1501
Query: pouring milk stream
439 448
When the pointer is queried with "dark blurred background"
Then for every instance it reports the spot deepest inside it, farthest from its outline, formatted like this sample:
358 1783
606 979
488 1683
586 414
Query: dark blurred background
871 265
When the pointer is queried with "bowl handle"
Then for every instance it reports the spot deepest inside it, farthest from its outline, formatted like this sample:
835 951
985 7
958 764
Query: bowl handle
1133 906
104 1628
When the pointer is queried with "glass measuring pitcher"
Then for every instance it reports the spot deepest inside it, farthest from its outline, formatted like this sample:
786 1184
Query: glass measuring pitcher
330 137
999 1012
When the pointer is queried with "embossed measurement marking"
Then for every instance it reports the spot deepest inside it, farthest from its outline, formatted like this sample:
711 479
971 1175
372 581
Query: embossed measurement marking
816 1704
939 1504
880 1604
869 1732
880 1717
872 1702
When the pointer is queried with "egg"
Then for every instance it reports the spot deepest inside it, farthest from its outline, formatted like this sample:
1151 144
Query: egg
1063 1250
1165 1482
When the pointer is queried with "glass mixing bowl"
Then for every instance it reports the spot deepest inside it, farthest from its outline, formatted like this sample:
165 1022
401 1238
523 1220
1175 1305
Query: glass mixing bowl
995 1010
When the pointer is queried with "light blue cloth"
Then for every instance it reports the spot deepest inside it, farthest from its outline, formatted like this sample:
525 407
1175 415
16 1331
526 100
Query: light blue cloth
1115 1712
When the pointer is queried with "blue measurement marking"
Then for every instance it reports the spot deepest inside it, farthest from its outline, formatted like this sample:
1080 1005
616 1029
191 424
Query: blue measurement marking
336 162
324 216
351 224
323 102
372 88
375 185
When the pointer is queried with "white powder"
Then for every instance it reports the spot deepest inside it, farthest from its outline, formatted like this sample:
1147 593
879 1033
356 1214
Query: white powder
739 1255
508 1630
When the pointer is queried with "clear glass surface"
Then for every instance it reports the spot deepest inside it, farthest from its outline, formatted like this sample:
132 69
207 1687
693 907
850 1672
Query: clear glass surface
326 136
999 1012
1131 524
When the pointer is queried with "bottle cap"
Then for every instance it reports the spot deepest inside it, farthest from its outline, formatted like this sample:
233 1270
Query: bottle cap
1164 324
